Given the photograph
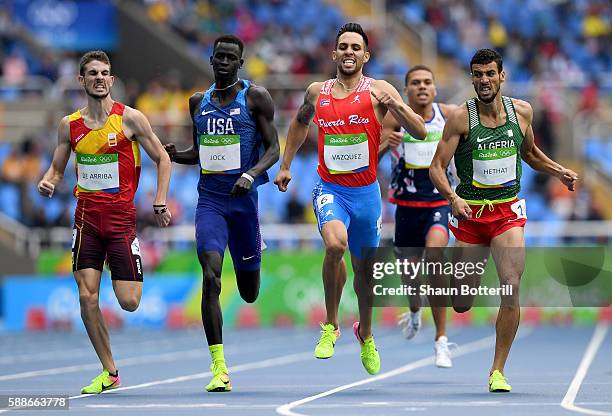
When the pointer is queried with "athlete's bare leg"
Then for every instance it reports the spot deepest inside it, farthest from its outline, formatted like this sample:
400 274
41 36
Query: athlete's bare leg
509 254
363 289
128 294
437 237
335 238
473 253
88 281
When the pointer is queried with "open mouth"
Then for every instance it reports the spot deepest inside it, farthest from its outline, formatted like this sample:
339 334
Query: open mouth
349 62
485 90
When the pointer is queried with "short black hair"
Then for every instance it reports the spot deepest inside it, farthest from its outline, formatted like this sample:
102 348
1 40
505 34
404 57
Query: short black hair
92 56
417 68
352 27
486 56
229 39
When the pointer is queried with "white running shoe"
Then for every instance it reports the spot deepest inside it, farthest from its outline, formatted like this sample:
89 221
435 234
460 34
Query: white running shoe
410 323
443 355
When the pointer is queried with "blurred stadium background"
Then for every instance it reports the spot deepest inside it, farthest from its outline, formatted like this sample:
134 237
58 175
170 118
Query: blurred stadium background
557 55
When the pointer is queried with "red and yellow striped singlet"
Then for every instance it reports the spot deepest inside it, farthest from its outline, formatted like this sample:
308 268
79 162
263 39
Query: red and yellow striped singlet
107 162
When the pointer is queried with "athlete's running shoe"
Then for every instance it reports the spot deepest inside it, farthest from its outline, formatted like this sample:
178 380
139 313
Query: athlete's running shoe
101 383
369 354
443 355
410 323
220 381
498 384
325 346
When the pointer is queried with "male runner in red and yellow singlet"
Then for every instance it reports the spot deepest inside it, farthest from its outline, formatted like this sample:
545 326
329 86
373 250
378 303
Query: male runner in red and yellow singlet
488 138
349 110
105 137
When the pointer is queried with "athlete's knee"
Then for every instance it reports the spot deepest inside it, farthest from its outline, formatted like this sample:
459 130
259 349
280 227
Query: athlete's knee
88 300
129 303
336 248
248 284
462 308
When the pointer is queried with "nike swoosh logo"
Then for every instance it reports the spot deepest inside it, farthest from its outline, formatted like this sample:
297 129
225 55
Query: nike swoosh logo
247 258
104 386
208 112
478 139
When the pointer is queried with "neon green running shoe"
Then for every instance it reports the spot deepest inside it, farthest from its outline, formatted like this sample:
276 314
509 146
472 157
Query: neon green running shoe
220 381
325 346
102 383
369 354
498 384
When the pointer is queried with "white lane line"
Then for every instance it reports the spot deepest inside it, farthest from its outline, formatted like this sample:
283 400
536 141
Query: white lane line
270 362
143 359
87 351
154 406
478 345
568 401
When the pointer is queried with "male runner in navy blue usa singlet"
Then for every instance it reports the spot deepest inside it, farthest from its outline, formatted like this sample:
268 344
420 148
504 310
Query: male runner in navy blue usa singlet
235 142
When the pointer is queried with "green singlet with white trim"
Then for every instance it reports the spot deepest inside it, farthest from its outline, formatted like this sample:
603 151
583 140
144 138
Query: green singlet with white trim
488 160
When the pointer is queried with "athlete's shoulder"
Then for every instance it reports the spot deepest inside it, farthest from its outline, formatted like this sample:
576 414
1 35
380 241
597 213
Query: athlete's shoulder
196 97
380 84
257 91
523 108
447 109
313 91
457 120
259 98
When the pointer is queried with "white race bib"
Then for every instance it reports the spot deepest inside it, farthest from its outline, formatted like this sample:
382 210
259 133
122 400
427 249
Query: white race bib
418 154
219 153
346 153
494 168
98 172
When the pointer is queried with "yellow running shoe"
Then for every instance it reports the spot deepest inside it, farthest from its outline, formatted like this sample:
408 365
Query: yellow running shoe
498 384
325 346
220 381
102 383
369 354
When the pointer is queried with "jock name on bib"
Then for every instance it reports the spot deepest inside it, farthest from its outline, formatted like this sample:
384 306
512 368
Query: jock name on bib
219 153
494 168
346 153
98 172
418 154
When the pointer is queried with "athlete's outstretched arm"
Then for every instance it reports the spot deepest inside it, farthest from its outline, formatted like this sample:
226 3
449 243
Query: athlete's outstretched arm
262 107
55 173
190 155
391 135
387 95
298 131
536 157
141 130
455 127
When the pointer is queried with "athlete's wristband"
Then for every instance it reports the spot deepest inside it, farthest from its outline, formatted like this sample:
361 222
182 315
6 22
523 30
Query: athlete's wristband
248 177
160 209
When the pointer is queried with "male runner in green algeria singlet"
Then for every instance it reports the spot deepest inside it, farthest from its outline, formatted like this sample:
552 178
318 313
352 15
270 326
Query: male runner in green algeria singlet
489 137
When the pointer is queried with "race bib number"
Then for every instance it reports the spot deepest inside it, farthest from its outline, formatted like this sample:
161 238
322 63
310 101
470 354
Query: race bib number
219 153
324 199
494 168
346 153
98 172
520 209
418 154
